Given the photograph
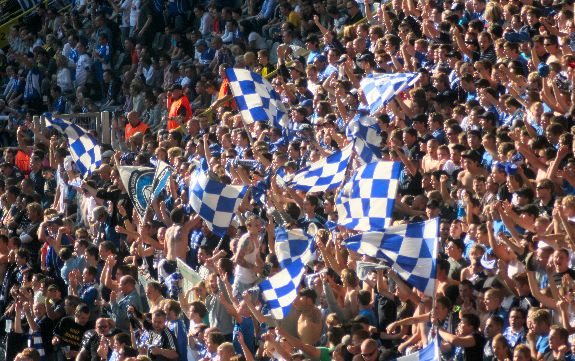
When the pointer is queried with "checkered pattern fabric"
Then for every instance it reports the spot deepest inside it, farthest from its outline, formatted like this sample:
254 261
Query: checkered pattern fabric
280 290
411 249
325 174
367 135
365 203
256 98
215 202
379 89
291 245
428 353
84 149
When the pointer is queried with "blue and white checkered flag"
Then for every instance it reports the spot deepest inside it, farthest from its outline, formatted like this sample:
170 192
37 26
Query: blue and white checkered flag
84 149
367 135
280 290
215 202
379 89
411 249
256 98
428 353
365 203
291 244
326 173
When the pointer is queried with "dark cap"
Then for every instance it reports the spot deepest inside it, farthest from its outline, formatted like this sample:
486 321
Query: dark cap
366 57
489 115
176 86
312 38
342 59
472 154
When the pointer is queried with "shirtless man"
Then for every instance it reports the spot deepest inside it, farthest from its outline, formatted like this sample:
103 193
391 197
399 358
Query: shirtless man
176 240
471 169
309 322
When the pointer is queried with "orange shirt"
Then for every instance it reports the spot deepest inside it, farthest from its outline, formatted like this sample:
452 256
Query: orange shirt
225 90
22 161
131 130
175 107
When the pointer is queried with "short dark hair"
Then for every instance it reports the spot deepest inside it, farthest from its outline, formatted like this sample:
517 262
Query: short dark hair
309 293
472 320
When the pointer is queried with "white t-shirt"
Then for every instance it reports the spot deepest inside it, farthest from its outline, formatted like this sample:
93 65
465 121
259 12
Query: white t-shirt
135 12
260 42
246 275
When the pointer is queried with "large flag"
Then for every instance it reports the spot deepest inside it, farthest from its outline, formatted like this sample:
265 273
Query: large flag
379 89
138 184
326 173
280 290
190 277
291 244
161 176
215 202
365 131
410 249
84 149
365 203
28 4
256 98
428 353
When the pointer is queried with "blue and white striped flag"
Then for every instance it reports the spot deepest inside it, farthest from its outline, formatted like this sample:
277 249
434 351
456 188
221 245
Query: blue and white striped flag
280 290
291 244
256 98
215 202
367 135
379 89
84 149
410 249
161 176
326 173
27 4
428 353
365 203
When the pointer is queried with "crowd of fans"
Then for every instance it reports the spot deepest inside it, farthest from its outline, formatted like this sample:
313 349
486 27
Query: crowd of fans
485 140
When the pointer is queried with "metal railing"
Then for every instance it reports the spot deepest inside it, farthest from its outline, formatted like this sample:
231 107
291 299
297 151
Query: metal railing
99 123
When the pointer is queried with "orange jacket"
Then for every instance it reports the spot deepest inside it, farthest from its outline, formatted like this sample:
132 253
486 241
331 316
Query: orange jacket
22 161
175 107
131 130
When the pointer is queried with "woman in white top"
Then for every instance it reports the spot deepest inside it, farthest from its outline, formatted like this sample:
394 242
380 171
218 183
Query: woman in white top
64 76
247 258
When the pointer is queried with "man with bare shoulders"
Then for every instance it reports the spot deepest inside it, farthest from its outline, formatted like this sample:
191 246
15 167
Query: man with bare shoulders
176 243
471 169
309 323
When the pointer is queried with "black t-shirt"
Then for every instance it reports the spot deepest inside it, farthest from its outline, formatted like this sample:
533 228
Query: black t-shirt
475 353
46 326
70 333
90 343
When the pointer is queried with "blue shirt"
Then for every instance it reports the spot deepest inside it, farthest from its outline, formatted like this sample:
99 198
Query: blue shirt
180 331
59 105
32 89
542 344
88 293
71 264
